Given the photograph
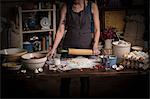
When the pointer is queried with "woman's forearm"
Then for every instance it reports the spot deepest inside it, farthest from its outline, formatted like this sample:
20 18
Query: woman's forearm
57 40
61 28
96 37
96 24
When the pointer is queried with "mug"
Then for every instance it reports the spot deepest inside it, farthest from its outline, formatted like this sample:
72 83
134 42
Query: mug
112 60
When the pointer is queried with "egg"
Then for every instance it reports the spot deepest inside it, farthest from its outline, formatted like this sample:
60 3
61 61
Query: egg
40 69
118 68
23 71
114 66
36 71
121 66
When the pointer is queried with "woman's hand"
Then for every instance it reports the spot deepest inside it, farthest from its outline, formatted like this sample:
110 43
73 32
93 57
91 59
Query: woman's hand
96 50
51 54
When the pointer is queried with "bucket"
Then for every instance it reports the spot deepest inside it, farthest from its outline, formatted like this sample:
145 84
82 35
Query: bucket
121 49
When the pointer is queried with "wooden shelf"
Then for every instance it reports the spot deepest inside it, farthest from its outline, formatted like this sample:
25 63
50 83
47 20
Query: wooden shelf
114 9
123 8
37 10
51 15
32 31
43 52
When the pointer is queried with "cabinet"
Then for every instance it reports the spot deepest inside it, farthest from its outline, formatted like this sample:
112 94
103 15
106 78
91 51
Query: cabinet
40 22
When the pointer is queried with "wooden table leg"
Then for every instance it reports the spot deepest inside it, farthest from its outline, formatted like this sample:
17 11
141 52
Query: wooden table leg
64 87
84 89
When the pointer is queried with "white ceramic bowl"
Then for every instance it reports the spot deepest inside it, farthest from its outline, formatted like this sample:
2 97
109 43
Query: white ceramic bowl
13 54
137 48
12 66
33 60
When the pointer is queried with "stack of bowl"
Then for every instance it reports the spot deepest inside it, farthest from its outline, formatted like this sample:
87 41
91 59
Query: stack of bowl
11 58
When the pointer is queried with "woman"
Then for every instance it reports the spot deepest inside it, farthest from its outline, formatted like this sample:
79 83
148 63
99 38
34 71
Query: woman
76 19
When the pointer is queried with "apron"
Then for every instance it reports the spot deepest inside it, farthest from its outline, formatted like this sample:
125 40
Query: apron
78 26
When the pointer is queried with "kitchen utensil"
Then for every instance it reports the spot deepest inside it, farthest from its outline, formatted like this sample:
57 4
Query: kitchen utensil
34 61
120 48
28 46
108 44
112 60
137 48
13 54
45 23
11 66
74 51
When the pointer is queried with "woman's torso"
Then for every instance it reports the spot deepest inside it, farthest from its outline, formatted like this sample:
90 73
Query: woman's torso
78 25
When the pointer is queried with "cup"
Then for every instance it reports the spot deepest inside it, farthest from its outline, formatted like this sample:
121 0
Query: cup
112 60
57 61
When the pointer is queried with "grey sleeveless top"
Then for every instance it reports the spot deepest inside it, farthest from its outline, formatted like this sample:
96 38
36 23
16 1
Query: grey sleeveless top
78 27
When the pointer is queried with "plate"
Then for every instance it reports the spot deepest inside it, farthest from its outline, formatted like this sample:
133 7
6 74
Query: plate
137 48
45 23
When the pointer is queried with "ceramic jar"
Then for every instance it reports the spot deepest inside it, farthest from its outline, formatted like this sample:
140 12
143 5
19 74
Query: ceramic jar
108 44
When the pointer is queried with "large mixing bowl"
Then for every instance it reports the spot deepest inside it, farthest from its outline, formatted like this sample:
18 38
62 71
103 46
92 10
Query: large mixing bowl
13 54
33 61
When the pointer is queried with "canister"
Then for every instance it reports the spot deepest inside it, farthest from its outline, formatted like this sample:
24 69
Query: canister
112 60
28 46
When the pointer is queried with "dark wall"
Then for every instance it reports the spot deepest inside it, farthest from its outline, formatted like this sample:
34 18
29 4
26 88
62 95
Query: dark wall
8 9
8 12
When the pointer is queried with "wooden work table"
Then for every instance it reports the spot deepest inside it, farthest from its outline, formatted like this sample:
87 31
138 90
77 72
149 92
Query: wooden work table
76 83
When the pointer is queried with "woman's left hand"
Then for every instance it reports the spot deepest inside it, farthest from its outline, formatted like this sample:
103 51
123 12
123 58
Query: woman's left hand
96 50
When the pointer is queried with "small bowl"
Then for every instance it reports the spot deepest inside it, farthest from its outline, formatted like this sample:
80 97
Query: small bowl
11 66
33 60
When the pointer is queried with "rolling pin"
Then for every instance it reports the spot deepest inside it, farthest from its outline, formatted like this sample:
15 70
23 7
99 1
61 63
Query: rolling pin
74 51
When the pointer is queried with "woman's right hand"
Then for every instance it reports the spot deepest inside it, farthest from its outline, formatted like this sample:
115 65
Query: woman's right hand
51 53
